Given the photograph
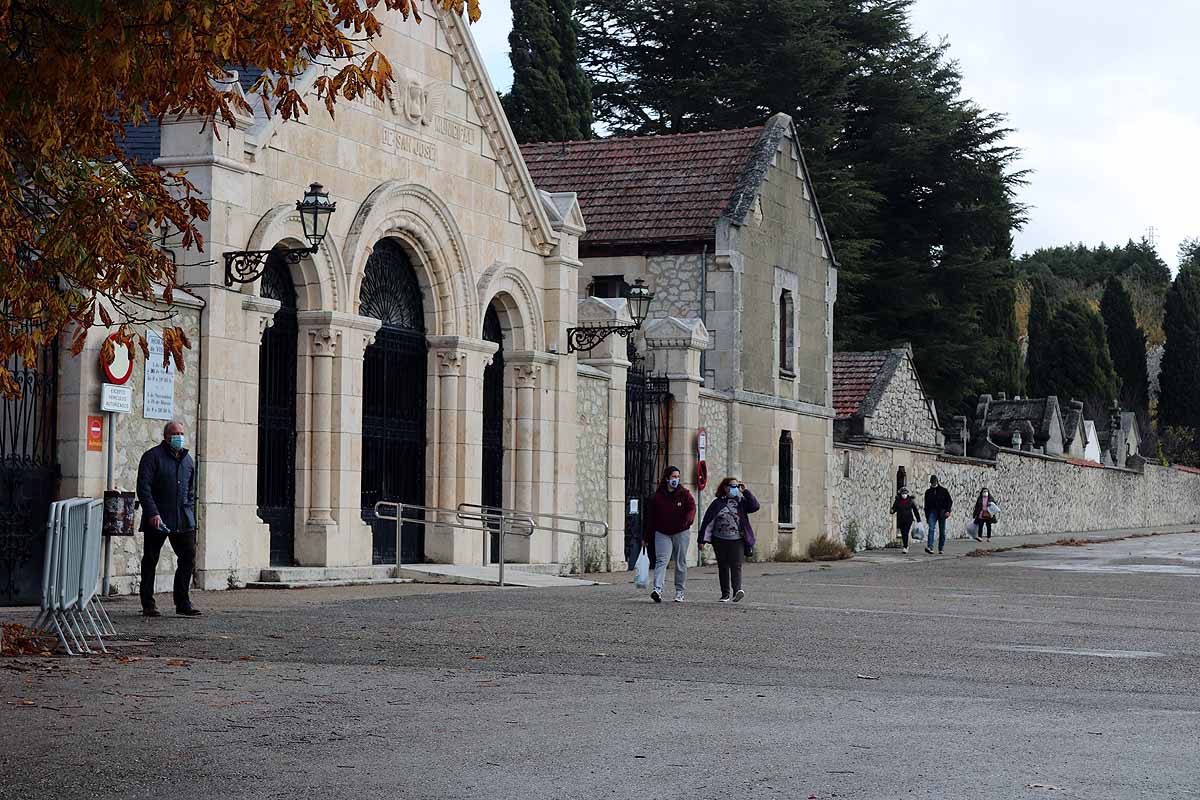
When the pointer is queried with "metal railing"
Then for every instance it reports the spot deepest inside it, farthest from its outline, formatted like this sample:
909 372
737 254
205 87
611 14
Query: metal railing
71 575
489 521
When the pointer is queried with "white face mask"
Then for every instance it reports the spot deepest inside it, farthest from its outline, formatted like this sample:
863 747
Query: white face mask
673 483
734 491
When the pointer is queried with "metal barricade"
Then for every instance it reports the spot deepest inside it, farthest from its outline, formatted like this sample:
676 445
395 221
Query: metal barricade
70 604
476 511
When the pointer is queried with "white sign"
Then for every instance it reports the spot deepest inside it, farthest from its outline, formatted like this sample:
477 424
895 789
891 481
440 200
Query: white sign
118 399
633 506
158 397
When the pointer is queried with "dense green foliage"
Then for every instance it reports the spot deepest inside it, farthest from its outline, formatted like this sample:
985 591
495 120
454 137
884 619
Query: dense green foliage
1127 346
1072 360
1041 313
1178 399
915 181
551 96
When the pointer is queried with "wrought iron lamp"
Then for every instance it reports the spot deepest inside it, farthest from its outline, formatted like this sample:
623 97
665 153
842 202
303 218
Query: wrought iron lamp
587 337
245 266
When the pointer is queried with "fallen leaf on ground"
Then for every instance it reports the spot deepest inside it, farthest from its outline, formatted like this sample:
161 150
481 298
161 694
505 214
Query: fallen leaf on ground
477 658
176 662
18 640
867 677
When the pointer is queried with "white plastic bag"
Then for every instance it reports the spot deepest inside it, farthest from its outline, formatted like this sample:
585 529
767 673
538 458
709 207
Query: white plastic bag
919 531
972 529
641 570
993 511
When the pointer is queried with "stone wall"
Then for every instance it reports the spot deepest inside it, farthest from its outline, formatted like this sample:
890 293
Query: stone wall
902 414
1036 494
135 434
591 496
714 417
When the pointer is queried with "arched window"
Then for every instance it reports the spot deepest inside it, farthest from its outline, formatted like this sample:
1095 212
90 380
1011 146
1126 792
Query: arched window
785 478
787 333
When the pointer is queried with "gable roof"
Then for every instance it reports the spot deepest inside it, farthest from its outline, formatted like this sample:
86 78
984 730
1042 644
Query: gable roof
855 375
648 188
1004 416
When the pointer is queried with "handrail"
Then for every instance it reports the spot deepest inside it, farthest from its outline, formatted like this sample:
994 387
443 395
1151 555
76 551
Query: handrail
465 509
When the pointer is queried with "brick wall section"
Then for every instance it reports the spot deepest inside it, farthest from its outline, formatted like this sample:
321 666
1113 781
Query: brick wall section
1037 495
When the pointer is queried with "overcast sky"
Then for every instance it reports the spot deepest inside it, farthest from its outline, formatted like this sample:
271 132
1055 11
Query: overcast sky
1103 95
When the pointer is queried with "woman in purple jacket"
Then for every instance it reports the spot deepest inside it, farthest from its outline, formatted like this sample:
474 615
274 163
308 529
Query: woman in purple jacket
727 527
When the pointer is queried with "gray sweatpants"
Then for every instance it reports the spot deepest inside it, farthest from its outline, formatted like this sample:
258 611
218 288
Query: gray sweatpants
664 545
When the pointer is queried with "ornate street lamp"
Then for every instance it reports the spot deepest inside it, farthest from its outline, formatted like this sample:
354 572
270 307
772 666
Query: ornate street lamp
246 266
588 336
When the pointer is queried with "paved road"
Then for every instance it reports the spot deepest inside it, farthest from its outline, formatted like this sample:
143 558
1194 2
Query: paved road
1047 673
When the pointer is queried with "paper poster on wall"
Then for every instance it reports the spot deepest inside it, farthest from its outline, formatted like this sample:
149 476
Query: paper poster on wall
158 396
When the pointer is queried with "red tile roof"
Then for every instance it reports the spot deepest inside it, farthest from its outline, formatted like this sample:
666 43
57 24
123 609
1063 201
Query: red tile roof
646 188
853 376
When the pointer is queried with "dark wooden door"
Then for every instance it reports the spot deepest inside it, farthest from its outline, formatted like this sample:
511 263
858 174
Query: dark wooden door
493 423
277 415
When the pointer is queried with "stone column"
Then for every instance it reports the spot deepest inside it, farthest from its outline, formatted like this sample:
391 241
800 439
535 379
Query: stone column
314 542
455 445
533 478
678 343
609 356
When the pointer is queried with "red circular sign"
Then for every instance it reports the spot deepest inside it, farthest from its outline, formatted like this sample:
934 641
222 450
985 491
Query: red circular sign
122 364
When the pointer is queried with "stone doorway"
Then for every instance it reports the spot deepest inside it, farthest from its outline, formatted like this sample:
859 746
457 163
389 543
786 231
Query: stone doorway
493 423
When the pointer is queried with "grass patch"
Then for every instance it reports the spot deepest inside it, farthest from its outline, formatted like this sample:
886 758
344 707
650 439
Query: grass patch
828 549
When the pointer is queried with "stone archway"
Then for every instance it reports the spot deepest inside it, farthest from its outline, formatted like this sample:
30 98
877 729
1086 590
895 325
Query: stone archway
395 366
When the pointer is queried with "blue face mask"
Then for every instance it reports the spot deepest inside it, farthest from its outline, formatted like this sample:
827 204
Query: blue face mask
734 491
177 441
673 483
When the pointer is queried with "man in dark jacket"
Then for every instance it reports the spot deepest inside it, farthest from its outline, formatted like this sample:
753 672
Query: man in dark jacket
937 510
166 489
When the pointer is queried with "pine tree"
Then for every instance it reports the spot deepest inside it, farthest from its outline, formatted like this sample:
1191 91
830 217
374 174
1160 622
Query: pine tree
916 182
1078 366
551 96
1178 399
1127 346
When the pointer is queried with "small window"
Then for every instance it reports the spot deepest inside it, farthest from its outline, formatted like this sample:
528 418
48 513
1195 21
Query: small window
845 463
608 286
787 333
785 478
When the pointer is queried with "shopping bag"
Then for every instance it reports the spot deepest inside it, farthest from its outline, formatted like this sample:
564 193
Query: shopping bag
641 570
920 531
972 529
993 511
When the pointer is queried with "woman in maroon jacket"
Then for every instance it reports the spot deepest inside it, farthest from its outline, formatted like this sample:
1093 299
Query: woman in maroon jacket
669 518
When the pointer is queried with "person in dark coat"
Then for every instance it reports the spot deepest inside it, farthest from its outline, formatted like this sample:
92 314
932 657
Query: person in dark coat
166 489
669 518
905 509
937 510
982 516
726 525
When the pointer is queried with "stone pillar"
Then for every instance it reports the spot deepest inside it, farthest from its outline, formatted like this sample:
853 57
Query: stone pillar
533 479
455 446
677 343
329 439
609 356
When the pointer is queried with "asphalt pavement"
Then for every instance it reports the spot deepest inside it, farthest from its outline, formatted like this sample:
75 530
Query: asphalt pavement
1049 672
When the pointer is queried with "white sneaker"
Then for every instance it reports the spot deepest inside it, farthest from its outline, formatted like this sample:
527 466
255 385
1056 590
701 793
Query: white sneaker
679 597
725 599
738 595
904 550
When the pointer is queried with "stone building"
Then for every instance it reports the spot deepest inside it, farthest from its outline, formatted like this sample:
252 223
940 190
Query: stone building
1033 424
878 398
725 228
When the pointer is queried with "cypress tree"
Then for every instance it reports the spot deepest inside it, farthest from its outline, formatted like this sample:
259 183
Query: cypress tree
551 96
1078 365
1178 399
1127 346
1040 344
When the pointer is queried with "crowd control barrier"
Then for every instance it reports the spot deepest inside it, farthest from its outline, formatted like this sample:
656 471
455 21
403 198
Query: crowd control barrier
70 603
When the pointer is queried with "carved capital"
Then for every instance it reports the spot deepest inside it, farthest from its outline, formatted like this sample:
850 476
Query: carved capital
324 341
527 375
451 362
264 322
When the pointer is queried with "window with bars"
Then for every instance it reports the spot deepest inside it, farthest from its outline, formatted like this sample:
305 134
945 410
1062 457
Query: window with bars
785 478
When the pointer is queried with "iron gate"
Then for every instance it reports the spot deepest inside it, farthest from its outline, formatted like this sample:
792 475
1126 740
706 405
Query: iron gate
394 375
493 423
647 425
277 415
28 476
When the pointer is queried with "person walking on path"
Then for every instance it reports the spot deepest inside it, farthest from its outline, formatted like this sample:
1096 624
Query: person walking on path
905 509
671 514
983 514
937 510
726 525
166 489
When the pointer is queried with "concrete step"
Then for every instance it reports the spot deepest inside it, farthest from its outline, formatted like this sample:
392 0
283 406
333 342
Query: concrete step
486 576
325 574
318 584
539 569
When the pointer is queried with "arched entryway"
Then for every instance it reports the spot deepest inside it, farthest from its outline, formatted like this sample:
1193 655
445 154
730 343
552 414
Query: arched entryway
493 421
394 375
277 414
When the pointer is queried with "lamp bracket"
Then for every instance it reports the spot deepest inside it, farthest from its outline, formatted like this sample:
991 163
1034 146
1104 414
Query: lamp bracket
586 338
247 266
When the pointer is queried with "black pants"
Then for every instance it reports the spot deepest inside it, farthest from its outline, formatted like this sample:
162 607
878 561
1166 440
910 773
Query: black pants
980 523
184 545
905 527
729 564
